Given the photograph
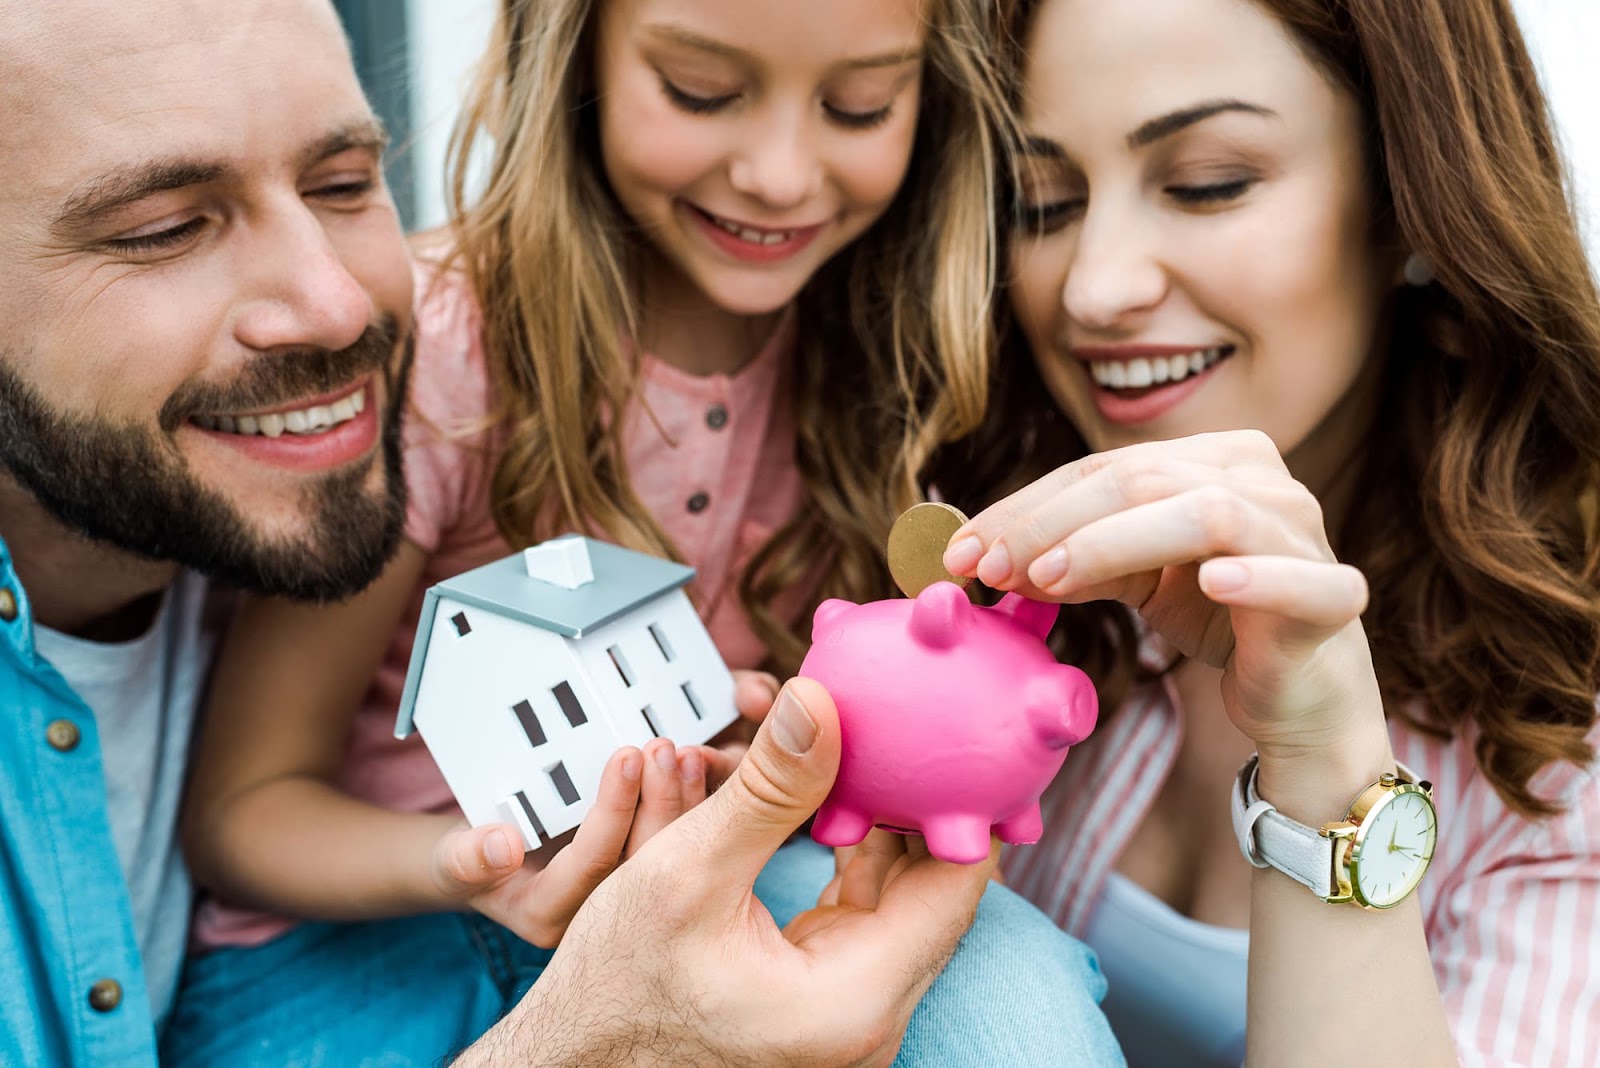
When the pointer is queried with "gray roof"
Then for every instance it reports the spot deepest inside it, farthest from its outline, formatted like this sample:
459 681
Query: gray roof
623 579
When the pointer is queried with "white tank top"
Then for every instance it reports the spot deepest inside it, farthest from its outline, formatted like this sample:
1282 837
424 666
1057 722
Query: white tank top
1177 986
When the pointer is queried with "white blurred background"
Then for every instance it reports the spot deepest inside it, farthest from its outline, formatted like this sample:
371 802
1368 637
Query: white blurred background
415 56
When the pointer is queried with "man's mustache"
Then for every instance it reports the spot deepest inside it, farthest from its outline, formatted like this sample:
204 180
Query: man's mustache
273 381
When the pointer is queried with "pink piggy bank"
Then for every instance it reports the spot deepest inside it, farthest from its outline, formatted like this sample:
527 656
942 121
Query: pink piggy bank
953 718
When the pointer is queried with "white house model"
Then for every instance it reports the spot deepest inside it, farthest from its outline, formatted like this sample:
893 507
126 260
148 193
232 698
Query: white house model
528 673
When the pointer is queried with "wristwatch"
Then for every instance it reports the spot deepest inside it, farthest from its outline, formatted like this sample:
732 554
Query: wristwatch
1374 857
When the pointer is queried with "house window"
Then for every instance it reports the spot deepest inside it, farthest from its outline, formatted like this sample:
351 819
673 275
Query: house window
694 702
463 628
569 704
620 662
533 817
530 723
563 783
650 720
661 641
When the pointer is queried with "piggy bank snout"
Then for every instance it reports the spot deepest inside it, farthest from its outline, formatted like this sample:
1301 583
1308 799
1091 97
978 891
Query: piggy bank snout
1061 706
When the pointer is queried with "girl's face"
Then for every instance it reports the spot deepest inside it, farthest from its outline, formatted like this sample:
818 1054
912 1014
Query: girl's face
1201 254
750 140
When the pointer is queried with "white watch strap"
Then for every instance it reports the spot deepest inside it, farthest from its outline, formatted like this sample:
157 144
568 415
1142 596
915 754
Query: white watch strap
1267 837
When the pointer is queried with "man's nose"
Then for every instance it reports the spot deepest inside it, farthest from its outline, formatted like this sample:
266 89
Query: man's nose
299 289
1115 273
780 167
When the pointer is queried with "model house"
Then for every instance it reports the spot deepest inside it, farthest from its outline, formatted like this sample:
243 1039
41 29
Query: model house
528 673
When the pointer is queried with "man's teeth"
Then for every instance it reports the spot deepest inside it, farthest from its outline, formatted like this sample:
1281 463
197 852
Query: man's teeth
1153 371
311 420
755 237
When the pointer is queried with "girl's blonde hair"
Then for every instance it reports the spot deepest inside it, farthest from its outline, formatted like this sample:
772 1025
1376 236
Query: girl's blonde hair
896 339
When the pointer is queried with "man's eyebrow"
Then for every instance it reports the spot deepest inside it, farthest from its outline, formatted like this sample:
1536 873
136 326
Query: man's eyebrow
107 192
365 133
681 35
1165 126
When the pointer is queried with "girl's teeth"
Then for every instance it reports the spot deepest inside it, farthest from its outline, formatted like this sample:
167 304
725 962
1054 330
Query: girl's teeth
755 237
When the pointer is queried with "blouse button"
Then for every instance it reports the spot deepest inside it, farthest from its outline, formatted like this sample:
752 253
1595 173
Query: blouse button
105 995
63 735
699 503
717 417
8 605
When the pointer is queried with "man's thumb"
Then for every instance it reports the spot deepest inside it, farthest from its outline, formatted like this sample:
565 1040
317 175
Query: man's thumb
782 780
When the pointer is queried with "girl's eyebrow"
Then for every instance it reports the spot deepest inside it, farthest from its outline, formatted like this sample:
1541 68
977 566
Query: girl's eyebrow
681 35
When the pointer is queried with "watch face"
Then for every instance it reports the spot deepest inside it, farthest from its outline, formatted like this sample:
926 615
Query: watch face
1395 847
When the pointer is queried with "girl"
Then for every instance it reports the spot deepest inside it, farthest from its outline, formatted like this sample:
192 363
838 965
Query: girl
1302 283
725 290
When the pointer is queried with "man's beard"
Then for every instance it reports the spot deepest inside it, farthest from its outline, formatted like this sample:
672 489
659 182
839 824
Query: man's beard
131 488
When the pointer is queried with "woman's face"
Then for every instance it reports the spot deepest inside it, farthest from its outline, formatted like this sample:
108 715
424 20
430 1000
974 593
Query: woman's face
1200 253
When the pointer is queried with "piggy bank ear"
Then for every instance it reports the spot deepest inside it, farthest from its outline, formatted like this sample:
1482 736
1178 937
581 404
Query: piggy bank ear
1035 617
940 614
828 613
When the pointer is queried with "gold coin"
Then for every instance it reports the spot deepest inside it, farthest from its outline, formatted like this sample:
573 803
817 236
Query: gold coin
916 546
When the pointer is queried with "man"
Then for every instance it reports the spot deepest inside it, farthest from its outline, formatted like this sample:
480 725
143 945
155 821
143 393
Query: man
204 321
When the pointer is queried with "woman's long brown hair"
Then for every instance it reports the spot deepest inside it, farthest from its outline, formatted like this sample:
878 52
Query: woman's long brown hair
897 330
1474 519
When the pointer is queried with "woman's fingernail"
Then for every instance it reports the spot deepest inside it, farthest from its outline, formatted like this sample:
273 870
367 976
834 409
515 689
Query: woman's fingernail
497 849
995 567
632 765
1223 576
1049 568
962 554
691 765
792 726
666 757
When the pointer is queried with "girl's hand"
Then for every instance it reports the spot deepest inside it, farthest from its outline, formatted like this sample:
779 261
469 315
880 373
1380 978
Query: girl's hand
536 894
1223 553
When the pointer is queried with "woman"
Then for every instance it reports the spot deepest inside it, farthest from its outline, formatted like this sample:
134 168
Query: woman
1303 285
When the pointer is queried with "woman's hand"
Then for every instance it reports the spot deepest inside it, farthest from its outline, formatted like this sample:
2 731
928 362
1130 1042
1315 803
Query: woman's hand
1225 556
536 894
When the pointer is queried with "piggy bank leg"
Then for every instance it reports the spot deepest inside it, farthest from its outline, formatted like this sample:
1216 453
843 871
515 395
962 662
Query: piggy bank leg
957 838
837 826
1023 828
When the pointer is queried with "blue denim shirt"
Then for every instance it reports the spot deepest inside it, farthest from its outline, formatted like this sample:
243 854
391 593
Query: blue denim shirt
72 988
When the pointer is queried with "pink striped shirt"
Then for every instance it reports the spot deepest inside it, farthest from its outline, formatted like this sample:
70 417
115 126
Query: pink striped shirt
1511 906
711 456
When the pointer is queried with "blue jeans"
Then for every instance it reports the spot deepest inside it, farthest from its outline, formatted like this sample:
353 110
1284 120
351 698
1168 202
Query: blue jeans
415 991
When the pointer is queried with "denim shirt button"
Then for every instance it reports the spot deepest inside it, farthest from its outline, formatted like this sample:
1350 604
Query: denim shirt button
63 735
105 995
8 605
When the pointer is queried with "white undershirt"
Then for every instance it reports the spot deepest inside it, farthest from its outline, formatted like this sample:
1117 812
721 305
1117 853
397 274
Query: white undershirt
1177 986
143 695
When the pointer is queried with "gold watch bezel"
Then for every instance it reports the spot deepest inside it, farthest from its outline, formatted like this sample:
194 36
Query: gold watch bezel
1349 837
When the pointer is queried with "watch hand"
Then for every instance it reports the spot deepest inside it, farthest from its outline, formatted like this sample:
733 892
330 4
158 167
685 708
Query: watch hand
1392 836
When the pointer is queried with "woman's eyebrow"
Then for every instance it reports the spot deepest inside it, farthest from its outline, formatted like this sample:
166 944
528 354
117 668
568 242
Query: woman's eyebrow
1166 125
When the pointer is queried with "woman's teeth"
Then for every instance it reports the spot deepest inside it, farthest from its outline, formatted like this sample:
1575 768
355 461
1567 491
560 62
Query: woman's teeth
1144 371
313 420
755 237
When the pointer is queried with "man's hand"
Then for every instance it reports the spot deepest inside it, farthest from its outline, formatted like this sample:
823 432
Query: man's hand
673 960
